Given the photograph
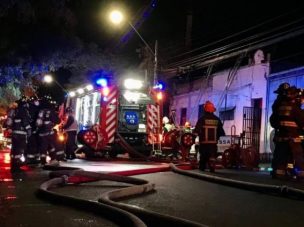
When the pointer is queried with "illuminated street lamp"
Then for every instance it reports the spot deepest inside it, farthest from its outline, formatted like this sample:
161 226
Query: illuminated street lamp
49 79
116 17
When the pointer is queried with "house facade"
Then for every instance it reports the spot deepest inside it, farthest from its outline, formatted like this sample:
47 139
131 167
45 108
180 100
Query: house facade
240 96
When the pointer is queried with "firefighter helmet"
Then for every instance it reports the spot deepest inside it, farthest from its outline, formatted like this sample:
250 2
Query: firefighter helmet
209 107
165 120
187 124
282 89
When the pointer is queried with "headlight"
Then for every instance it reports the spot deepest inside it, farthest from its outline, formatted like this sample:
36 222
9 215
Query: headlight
133 84
141 128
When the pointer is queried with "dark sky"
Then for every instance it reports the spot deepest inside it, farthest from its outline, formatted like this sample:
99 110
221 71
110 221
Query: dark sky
166 22
212 20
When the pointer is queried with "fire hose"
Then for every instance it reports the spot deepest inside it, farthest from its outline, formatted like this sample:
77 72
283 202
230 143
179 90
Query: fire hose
122 214
282 190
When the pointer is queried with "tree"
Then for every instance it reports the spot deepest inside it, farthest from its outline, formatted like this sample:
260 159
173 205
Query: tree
39 37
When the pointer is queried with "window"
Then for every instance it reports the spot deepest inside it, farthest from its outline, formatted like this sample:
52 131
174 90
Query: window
227 113
183 117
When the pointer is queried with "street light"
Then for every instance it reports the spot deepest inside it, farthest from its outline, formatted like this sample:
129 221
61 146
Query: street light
116 17
49 79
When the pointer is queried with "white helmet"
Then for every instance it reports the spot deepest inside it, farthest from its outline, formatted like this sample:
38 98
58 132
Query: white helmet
165 120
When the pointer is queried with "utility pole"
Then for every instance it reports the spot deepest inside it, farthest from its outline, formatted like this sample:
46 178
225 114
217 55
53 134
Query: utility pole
155 63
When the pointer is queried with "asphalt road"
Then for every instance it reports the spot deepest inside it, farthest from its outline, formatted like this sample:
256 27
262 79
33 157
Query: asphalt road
177 195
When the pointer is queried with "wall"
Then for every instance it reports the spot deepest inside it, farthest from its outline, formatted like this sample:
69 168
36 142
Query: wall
250 82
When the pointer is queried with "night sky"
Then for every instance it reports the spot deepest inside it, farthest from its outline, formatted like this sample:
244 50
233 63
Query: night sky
58 24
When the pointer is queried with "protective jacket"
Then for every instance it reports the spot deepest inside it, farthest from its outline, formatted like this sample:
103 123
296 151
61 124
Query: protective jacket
209 128
18 121
288 120
46 120
70 124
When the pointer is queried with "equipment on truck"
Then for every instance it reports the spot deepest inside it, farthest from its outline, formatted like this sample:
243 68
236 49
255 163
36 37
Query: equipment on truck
120 117
116 119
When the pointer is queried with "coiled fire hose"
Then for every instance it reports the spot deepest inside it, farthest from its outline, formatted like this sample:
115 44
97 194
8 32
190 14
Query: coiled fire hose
122 214
282 190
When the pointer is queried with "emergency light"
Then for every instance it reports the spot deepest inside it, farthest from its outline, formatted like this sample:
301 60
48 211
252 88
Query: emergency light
133 84
159 86
103 82
159 96
105 91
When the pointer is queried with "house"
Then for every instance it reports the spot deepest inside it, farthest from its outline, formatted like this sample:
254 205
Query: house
240 96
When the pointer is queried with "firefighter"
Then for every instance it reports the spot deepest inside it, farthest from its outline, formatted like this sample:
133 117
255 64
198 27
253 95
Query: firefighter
33 156
288 121
46 120
167 125
18 122
208 128
70 128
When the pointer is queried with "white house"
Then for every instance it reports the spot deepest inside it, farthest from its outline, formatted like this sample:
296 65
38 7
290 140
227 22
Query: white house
238 93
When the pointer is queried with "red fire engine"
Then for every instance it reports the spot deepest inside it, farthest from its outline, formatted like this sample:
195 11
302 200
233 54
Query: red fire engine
123 118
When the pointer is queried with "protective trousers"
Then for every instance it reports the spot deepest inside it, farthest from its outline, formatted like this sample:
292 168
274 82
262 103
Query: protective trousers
297 153
32 152
71 145
47 146
281 155
19 142
207 156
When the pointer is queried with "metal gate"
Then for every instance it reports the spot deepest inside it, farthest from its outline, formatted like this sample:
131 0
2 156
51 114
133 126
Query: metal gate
252 127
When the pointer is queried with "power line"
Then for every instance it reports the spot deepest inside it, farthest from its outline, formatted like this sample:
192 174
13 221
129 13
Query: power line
238 51
220 50
238 33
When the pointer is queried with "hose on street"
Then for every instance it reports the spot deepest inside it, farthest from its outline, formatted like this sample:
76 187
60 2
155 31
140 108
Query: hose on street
107 205
282 190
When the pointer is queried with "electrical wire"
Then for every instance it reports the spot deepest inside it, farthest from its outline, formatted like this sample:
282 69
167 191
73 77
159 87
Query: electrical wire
233 44
260 43
236 34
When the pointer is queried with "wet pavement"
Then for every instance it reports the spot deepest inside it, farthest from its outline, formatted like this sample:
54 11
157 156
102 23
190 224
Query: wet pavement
177 195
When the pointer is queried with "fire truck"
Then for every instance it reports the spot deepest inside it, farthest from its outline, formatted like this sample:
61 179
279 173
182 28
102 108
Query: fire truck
120 117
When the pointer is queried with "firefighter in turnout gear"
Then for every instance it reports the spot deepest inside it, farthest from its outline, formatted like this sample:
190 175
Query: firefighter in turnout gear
70 127
288 121
18 122
46 120
33 156
209 128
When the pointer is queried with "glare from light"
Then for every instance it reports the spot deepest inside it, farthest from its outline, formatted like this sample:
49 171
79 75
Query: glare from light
116 17
61 137
142 126
48 78
80 91
159 96
102 82
72 94
131 96
105 91
133 84
22 159
89 87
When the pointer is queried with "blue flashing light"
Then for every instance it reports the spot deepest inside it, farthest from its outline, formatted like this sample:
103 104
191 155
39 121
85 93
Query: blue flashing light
159 85
269 169
102 82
